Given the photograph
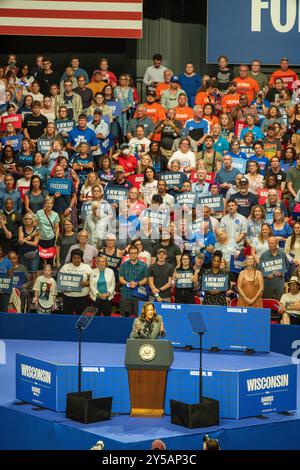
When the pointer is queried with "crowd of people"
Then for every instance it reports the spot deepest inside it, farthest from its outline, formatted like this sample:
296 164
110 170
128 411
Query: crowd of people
190 196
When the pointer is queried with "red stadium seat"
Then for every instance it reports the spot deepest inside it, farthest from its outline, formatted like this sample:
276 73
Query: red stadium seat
272 304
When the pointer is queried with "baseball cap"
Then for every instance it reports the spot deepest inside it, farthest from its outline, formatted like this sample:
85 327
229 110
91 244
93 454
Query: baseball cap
124 146
119 168
98 111
97 72
162 250
28 167
151 93
232 84
244 180
174 79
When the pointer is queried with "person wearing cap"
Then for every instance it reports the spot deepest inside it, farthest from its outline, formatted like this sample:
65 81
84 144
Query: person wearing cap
140 119
124 158
245 199
154 111
160 278
230 99
97 83
118 182
155 73
190 82
287 75
23 184
290 303
169 98
272 145
124 95
165 85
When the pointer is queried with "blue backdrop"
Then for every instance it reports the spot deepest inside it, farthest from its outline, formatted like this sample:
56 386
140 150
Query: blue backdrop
263 29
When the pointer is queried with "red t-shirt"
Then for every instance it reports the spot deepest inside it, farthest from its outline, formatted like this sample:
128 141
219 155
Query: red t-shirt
128 163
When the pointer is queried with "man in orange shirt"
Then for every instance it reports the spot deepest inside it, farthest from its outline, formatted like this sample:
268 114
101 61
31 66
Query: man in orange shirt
246 85
231 100
183 112
161 87
287 75
97 84
154 111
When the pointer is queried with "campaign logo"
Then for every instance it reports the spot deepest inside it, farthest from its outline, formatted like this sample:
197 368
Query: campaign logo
263 383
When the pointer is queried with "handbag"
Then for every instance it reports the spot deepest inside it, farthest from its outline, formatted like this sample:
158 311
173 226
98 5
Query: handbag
47 253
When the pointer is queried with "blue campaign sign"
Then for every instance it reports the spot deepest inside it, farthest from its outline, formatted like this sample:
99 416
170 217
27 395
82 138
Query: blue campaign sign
267 391
36 381
273 265
115 107
69 282
18 280
186 198
237 264
215 203
233 329
15 141
59 185
273 24
44 145
64 126
239 164
5 284
115 195
212 282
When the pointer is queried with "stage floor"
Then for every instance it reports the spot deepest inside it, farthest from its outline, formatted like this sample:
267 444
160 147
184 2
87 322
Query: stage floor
27 427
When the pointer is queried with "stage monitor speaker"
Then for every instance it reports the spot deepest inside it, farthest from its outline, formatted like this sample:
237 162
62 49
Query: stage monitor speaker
85 409
198 415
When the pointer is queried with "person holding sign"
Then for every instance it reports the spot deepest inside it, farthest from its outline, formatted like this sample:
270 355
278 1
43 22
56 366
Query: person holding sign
215 296
45 291
274 265
149 325
250 285
75 301
186 280
6 271
21 281
102 285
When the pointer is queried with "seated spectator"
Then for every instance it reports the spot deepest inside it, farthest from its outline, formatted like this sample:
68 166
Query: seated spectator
23 289
29 237
65 240
250 285
281 229
89 252
102 287
290 303
76 302
185 280
45 291
292 245
133 274
274 282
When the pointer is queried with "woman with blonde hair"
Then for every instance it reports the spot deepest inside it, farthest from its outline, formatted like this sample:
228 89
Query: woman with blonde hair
281 229
292 245
250 285
260 244
149 325
92 180
144 162
255 221
102 286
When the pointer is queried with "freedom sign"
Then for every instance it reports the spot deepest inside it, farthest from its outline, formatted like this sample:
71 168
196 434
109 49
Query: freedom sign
69 282
59 185
217 282
250 24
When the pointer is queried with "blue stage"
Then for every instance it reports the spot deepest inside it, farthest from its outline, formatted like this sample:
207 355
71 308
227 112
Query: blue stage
28 427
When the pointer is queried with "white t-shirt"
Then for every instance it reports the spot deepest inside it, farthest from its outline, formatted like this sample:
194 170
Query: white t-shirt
148 191
47 291
290 298
139 145
83 269
186 159
260 248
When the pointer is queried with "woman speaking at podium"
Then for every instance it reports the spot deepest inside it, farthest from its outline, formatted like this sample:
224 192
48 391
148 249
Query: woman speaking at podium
149 325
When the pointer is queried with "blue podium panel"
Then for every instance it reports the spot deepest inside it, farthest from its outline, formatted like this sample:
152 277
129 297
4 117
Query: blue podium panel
244 385
232 329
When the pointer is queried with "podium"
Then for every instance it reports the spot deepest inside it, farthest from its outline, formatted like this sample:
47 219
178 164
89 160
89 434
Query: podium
148 362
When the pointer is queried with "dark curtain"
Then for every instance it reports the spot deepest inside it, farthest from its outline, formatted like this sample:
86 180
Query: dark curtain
181 11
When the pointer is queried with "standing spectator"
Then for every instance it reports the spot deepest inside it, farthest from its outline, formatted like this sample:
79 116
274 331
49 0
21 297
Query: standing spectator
173 251
140 120
123 94
48 224
198 127
89 252
76 302
47 76
250 285
281 229
169 129
29 239
225 177
186 280
18 268
234 224
169 98
215 297
210 156
64 204
256 181
287 75
257 74
6 268
106 75
71 100
35 124
160 278
65 240
35 197
293 181
149 186
10 221
155 73
102 287
227 246
274 282
133 273
245 199
185 156
292 245
260 243
245 84
45 291
223 74
255 221
190 82
183 112
231 99
84 92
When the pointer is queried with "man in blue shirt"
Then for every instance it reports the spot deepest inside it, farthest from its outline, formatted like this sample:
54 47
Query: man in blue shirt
198 127
201 188
133 274
255 130
10 193
82 133
225 177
